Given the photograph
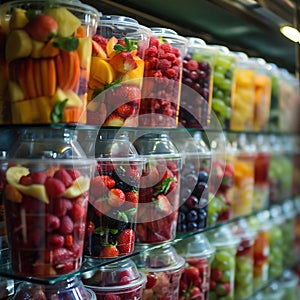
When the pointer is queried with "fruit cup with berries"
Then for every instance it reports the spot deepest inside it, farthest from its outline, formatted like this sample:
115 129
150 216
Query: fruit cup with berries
117 69
47 54
223 264
159 189
163 268
46 191
243 287
192 213
114 195
162 79
197 84
118 280
195 278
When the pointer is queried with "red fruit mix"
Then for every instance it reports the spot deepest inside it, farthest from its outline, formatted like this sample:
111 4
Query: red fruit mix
221 187
195 279
42 220
159 197
160 95
112 210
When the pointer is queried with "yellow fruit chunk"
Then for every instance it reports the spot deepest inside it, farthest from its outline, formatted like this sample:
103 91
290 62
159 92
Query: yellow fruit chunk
110 46
15 92
18 45
85 51
13 176
79 186
59 96
18 19
102 71
73 99
12 194
67 22
37 49
136 75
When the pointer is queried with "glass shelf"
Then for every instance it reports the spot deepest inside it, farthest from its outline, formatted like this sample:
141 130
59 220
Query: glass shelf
5 267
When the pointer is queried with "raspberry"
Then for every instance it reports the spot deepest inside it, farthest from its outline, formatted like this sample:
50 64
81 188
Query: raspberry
54 187
66 225
64 176
76 248
154 41
166 47
77 212
151 51
52 223
61 206
25 180
164 64
74 173
170 56
170 73
61 255
176 52
55 241
38 177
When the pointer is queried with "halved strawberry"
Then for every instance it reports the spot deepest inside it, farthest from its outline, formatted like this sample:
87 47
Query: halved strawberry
132 197
163 204
126 110
116 197
114 120
97 50
100 40
108 181
109 251
123 62
126 241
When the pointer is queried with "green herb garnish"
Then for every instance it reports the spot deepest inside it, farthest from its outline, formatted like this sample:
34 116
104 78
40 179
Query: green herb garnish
57 114
66 43
129 46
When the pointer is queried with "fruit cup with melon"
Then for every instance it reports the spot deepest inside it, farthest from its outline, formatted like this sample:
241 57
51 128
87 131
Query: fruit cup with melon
112 209
243 101
46 205
117 69
47 53
162 79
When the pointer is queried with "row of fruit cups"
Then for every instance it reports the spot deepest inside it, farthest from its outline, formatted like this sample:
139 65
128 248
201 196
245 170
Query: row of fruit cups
134 76
53 219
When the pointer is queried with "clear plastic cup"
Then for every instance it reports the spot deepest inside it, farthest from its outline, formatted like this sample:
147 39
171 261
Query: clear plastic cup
117 68
243 285
197 80
52 45
225 64
288 282
114 196
163 268
162 79
70 289
195 278
243 100
222 276
194 185
118 280
46 188
159 189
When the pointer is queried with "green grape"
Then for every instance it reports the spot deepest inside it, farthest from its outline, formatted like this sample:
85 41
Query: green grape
213 296
220 290
219 106
223 62
226 276
226 84
218 78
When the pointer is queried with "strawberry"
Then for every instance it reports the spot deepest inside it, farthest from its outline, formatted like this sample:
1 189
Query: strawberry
108 181
54 187
38 177
151 280
126 241
196 293
77 212
116 197
55 241
66 225
61 255
216 274
191 274
163 204
97 50
114 120
109 251
126 110
97 186
150 176
123 62
100 40
132 197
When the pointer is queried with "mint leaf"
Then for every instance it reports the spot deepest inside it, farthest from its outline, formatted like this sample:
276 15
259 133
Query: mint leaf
165 186
130 46
57 114
66 43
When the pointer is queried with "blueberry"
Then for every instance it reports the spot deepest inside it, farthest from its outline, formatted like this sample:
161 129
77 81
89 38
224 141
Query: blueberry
203 176
192 226
200 188
192 215
181 217
192 202
184 209
190 180
181 227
